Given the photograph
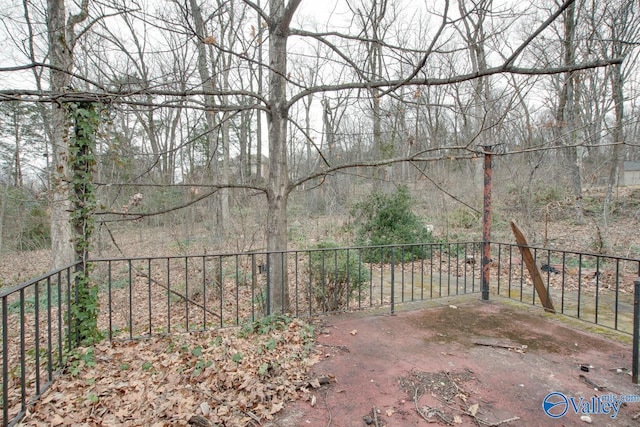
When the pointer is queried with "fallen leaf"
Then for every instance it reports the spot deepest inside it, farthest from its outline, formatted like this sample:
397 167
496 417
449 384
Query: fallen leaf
205 408
457 419
473 409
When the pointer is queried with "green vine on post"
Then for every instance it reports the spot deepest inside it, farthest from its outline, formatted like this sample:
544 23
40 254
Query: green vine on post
82 160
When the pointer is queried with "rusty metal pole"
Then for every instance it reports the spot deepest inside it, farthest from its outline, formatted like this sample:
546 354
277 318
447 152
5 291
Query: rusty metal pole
486 223
636 331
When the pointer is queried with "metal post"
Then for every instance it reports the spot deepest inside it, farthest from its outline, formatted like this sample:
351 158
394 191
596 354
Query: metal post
636 330
486 223
393 281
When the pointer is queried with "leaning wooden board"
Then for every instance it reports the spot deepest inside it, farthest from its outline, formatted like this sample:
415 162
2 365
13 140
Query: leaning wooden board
534 271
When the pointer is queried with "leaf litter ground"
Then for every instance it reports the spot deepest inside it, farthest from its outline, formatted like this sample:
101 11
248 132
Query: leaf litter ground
231 377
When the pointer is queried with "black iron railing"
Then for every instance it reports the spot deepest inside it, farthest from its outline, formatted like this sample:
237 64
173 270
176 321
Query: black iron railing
35 338
160 295
591 287
141 297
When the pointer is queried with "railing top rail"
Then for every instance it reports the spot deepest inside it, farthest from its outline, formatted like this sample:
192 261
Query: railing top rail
10 290
266 252
566 251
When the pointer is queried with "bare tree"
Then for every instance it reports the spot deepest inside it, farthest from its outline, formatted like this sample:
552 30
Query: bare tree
62 37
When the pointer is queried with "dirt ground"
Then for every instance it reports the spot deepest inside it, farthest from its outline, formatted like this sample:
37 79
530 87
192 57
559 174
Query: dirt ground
465 362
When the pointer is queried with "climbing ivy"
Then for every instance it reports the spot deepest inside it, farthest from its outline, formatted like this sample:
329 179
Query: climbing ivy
82 160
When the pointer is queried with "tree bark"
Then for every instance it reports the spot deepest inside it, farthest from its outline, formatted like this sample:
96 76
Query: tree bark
61 59
208 86
567 113
278 184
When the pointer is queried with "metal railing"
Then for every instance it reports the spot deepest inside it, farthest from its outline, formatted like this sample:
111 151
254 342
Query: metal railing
150 296
591 287
35 338
141 297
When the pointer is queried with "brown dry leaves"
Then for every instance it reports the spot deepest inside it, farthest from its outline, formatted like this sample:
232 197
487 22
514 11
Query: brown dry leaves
230 377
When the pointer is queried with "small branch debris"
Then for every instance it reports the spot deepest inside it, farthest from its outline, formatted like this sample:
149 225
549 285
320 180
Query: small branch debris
445 387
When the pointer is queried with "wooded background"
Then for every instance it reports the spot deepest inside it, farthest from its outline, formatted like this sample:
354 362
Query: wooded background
232 122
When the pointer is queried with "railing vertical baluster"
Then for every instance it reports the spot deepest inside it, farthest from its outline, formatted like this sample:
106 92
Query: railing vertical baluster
510 269
295 254
36 306
254 283
473 267
323 282
564 275
393 280
448 269
110 315
499 265
49 334
336 303
371 281
421 272
5 361
359 278
636 331
130 299
204 293
579 282
23 356
348 280
150 308
457 268
60 315
413 274
283 281
521 278
221 284
464 267
402 249
549 275
617 297
597 288
186 291
431 250
310 283
440 261
269 284
534 275
381 276
168 295
238 290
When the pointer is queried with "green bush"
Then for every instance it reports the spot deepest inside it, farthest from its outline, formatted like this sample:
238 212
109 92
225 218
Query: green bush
387 219
335 275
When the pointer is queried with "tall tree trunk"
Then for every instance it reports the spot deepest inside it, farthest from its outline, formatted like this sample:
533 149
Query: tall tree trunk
278 184
61 38
208 86
618 138
567 114
61 59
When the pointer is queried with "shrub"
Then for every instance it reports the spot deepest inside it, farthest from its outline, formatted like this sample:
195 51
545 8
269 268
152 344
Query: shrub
335 275
387 219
